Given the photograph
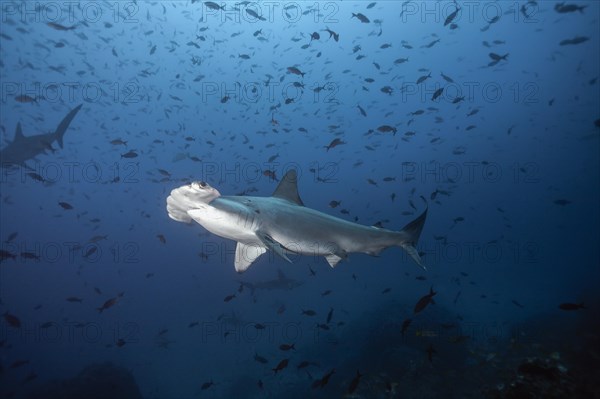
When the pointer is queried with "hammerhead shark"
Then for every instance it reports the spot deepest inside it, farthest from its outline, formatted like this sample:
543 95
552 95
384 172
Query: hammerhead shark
281 223
25 148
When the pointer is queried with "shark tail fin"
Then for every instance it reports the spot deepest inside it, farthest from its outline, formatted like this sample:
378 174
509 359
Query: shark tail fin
410 236
64 124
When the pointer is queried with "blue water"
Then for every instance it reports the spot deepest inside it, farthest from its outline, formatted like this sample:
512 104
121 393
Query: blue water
510 173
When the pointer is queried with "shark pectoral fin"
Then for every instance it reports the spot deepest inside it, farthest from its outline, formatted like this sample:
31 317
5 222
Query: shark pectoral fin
273 245
245 254
333 260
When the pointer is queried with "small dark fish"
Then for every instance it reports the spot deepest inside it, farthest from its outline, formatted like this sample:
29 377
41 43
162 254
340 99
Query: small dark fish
334 143
74 299
334 203
424 301
287 347
30 377
362 111
423 78
295 71
212 5
110 302
333 34
6 255
517 304
207 385
385 291
24 99
260 359
282 364
36 177
18 363
118 142
354 382
362 18
270 174
387 90
130 154
65 205
56 26
562 202
90 252
254 14
161 238
229 298
329 315
29 255
387 129
497 57
457 296
430 352
564 8
437 93
405 325
571 306
447 78
12 320
451 17
306 363
323 381
309 312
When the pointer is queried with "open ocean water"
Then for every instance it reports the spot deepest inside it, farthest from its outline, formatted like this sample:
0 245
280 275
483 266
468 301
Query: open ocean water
485 113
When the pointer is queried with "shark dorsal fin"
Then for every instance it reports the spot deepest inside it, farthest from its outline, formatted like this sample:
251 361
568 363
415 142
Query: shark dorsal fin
288 188
19 132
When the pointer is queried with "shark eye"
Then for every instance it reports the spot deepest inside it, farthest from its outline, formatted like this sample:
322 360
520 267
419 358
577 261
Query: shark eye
202 184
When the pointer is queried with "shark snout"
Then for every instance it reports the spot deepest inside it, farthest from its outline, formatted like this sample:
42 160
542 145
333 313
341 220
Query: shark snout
191 196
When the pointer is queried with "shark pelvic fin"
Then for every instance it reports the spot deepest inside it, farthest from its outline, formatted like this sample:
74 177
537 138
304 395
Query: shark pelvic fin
246 254
411 233
288 188
333 259
273 245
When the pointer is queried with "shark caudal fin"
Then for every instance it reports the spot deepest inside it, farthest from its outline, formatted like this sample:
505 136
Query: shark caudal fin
410 236
64 125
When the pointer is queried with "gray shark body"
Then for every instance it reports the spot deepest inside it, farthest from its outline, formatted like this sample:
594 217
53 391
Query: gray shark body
24 148
283 224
